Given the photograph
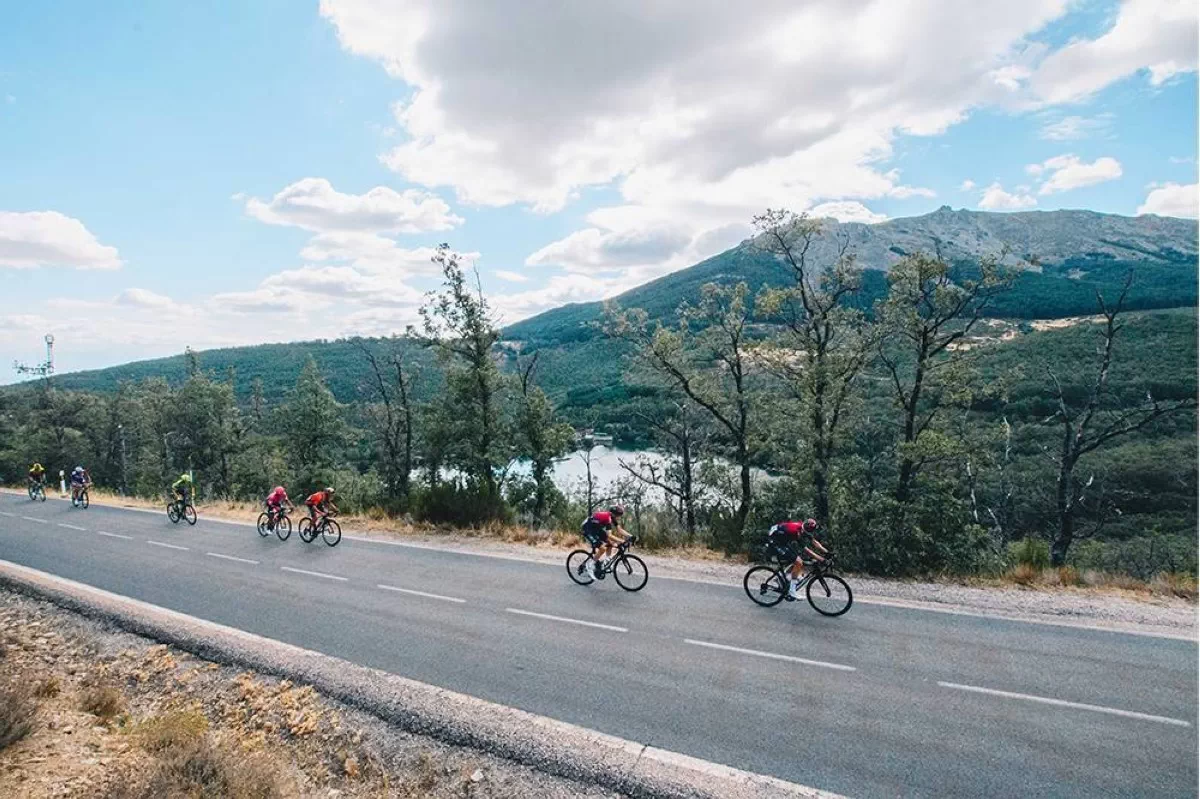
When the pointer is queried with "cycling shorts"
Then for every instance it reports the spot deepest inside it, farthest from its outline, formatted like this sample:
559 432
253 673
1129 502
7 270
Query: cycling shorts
595 534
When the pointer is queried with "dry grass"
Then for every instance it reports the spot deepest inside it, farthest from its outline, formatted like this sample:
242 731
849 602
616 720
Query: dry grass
17 714
177 730
103 701
199 770
48 688
1175 584
1182 586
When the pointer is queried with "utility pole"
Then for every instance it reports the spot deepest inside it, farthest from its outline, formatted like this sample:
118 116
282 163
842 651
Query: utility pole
124 479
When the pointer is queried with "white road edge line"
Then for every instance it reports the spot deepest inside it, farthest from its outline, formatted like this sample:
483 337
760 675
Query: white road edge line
72 527
771 655
612 627
164 544
34 519
1129 714
420 593
114 535
314 574
6 513
231 557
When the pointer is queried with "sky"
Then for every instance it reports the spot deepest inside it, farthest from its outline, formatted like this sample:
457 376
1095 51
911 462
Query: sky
214 174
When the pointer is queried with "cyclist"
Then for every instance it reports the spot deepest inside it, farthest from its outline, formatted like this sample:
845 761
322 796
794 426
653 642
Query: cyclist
183 488
276 500
79 480
604 532
37 475
320 502
792 541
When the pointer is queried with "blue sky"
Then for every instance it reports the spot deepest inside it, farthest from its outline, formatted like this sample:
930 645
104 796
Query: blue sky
210 174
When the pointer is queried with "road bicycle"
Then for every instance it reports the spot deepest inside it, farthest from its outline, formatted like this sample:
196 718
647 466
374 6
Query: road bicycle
181 509
79 498
326 527
829 594
629 570
278 520
37 491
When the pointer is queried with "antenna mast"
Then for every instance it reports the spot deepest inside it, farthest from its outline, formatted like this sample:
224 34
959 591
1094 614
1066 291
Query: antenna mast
44 369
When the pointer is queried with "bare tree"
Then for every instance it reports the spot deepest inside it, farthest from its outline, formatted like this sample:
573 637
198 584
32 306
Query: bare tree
925 315
680 436
392 415
705 358
825 344
1089 425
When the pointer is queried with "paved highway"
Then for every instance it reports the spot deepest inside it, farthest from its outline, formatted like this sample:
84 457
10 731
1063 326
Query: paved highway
884 701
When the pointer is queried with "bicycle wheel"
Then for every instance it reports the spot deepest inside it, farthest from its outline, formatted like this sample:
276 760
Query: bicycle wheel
173 513
832 596
83 499
579 567
765 586
631 572
264 525
306 531
331 533
189 514
42 494
283 528
32 492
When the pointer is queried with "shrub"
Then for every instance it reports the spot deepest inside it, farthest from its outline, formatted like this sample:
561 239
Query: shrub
48 688
177 730
199 770
1070 576
17 711
460 504
102 701
1024 574
1032 552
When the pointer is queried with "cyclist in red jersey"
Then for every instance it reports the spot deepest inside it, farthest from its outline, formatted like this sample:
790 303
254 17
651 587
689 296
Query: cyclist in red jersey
604 532
792 541
322 502
276 500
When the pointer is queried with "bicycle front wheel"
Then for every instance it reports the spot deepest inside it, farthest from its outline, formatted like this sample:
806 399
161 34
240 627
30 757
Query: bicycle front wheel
189 514
331 533
83 499
306 531
32 492
579 567
765 586
283 528
173 513
829 595
42 494
631 572
264 525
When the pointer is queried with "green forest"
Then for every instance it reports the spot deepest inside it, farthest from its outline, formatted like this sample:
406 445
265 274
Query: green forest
922 413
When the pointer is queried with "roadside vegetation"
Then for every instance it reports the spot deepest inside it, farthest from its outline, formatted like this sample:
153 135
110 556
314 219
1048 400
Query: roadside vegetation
932 437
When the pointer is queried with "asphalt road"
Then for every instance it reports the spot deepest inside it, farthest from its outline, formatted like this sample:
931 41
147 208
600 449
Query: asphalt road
883 701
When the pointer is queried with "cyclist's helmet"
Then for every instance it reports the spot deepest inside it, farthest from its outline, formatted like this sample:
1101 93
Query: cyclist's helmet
330 490
617 510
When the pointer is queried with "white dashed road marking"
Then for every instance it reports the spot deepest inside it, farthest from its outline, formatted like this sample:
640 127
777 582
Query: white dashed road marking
420 593
313 574
34 519
770 655
1129 714
114 535
72 527
164 544
614 628
231 557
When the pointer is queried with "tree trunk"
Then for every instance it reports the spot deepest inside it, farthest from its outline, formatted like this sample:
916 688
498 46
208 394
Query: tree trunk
908 466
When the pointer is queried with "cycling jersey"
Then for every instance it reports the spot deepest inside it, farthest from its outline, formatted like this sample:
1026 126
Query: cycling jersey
78 476
317 500
277 496
596 528
787 540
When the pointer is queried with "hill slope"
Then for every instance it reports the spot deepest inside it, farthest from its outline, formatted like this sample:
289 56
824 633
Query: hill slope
1076 252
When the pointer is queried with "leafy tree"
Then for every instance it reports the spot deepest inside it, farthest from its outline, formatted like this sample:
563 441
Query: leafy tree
681 437
312 422
541 437
391 417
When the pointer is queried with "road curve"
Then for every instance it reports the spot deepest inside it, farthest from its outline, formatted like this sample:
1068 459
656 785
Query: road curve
884 701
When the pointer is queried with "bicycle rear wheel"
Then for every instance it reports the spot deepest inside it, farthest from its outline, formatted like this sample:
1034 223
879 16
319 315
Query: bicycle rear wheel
765 586
264 525
579 567
83 499
283 528
331 533
831 596
306 531
631 572
189 514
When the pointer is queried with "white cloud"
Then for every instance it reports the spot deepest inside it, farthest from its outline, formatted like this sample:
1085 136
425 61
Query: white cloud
847 211
313 204
1074 127
1066 172
1158 36
593 248
48 238
1172 199
995 198
511 277
967 185
143 298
